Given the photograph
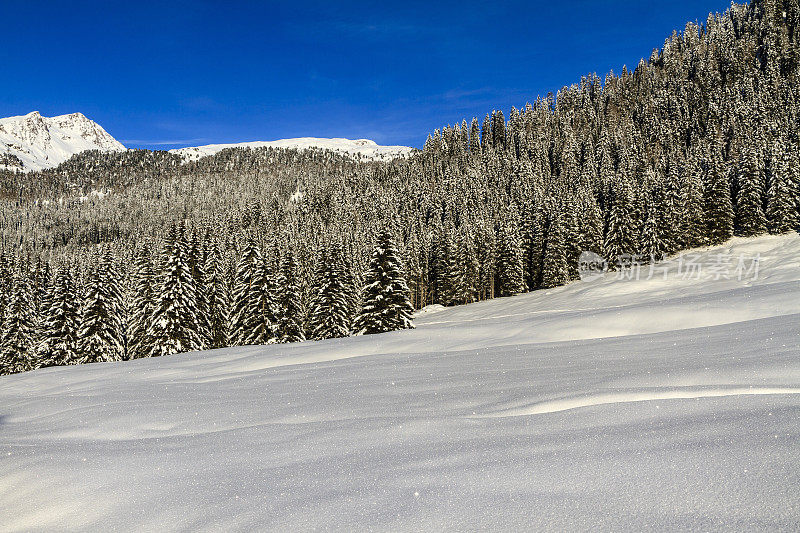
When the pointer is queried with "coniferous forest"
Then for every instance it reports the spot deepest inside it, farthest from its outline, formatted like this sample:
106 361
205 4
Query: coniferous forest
115 256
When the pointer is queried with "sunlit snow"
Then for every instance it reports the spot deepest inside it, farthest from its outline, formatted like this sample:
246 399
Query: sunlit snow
45 142
618 404
360 147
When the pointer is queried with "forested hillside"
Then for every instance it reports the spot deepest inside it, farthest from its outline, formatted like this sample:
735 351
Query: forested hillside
114 256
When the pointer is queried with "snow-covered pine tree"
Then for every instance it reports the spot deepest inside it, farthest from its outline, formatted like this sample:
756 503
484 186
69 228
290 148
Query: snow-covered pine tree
651 243
782 194
16 345
142 304
486 245
331 304
533 244
386 305
290 307
498 129
693 222
217 297
40 289
555 271
619 231
439 271
510 274
197 267
573 241
673 210
59 345
263 299
417 275
590 222
114 289
475 138
486 134
174 328
100 333
352 283
243 317
750 219
6 284
718 206
450 271
465 273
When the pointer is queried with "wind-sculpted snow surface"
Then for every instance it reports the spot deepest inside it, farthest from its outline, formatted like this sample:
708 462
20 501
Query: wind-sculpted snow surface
663 403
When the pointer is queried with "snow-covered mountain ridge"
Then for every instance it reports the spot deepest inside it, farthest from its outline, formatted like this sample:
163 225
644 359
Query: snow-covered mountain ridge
665 402
33 142
360 147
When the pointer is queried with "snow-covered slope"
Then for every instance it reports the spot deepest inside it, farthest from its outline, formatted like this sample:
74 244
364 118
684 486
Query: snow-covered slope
34 142
362 147
667 404
43 142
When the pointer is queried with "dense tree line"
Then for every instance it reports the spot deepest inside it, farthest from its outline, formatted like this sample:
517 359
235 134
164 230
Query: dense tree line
697 144
185 299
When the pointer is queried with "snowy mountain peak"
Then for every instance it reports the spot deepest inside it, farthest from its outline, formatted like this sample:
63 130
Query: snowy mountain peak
365 148
33 142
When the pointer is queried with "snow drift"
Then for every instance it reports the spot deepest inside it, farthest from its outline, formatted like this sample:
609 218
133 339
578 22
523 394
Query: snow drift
670 403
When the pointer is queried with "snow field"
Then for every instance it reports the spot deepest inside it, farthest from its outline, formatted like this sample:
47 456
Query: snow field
667 404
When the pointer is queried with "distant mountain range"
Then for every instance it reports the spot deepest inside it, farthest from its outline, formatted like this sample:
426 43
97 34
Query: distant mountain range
33 142
360 147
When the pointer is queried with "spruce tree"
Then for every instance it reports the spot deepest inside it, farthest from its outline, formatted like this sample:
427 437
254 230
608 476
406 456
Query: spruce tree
174 328
693 221
510 273
331 304
16 345
442 282
533 245
100 332
718 206
59 345
217 298
673 212
386 305
264 304
464 271
750 219
40 289
6 284
475 138
590 223
142 305
195 252
486 134
555 271
243 317
290 309
651 243
782 194
619 234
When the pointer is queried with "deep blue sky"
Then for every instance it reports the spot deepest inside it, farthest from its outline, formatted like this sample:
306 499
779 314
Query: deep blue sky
167 74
